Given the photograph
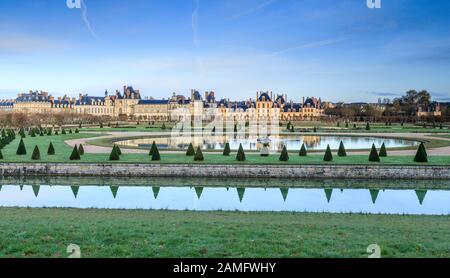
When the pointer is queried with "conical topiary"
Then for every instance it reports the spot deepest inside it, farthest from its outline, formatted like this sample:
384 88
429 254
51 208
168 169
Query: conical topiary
383 152
240 154
119 151
367 126
114 155
199 155
77 131
21 150
155 154
421 155
153 148
227 150
373 156
1 155
63 132
36 155
190 151
51 149
81 149
75 154
328 155
284 154
341 151
303 151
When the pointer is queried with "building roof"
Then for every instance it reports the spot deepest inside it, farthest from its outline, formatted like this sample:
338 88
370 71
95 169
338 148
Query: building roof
153 101
266 95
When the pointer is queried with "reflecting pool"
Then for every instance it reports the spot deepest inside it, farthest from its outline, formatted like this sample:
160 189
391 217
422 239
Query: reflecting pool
286 195
294 142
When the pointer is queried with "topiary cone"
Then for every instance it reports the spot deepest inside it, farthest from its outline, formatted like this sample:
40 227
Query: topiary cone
373 156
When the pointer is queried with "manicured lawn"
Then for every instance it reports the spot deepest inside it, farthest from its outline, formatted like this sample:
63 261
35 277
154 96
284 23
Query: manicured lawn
63 152
113 233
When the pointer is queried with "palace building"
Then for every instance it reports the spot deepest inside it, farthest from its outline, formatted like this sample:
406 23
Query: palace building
130 104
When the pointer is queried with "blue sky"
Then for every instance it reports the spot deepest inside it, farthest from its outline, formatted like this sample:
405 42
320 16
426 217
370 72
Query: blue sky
336 49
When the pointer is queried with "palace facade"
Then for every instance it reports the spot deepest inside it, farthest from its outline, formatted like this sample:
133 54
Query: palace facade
129 104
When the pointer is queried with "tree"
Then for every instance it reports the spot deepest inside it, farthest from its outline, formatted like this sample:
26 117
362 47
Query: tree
163 126
101 125
153 149
368 126
75 154
22 133
373 156
383 152
328 155
119 151
190 151
77 131
114 156
227 150
36 154
341 151
56 132
63 132
284 154
81 149
421 155
70 131
51 149
199 155
1 155
240 154
41 133
292 128
21 150
315 129
155 154
303 151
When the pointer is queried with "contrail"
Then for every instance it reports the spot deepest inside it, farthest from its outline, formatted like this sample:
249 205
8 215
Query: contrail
194 23
254 9
85 19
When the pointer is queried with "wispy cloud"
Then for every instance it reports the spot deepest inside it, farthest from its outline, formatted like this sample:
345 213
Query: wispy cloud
309 45
85 18
194 23
254 9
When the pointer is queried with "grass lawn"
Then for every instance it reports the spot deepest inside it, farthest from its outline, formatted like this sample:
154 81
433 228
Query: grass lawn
113 233
63 152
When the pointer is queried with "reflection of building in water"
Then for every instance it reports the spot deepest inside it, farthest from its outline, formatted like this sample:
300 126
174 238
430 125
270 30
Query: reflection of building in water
311 141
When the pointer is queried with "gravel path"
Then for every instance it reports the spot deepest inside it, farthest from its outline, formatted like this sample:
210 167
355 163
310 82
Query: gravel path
443 151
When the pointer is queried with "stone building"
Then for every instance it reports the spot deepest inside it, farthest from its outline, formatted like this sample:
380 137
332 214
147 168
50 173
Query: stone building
130 105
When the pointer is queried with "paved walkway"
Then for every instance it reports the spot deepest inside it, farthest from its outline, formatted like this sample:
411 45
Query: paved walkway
443 151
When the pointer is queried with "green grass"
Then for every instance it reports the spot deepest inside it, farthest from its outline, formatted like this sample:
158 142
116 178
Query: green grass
63 152
113 233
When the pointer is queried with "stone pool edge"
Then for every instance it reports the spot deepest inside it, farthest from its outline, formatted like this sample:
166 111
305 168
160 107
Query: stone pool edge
232 171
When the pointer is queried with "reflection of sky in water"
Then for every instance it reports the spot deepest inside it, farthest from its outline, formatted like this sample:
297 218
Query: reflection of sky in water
250 143
254 199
